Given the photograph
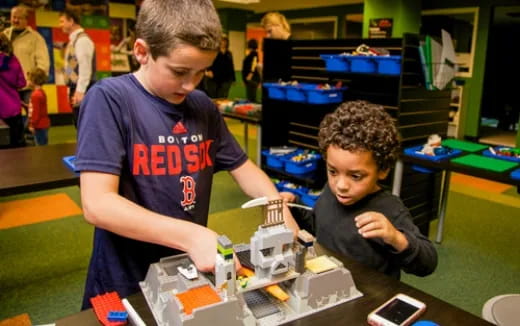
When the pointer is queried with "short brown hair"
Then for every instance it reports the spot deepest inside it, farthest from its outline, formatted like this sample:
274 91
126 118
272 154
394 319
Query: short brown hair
70 15
362 126
165 24
37 76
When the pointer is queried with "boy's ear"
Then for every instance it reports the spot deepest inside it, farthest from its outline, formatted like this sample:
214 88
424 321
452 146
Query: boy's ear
141 51
382 174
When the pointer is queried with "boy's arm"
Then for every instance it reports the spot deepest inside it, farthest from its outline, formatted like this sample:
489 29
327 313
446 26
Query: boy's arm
415 252
106 209
255 183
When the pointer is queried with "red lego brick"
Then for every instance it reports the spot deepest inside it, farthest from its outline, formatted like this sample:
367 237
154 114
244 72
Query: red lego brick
103 304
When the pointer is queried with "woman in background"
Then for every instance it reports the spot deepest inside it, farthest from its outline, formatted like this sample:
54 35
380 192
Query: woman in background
250 72
12 79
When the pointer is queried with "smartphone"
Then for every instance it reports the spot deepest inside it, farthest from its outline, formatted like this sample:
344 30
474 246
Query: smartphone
400 310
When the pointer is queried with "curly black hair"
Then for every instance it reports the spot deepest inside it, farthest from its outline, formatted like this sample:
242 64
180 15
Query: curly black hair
361 126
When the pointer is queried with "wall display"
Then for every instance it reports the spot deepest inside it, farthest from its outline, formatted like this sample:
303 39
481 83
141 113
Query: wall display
110 25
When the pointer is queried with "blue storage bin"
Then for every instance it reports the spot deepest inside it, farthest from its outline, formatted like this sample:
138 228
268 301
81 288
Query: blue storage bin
276 91
277 161
324 96
309 199
336 62
362 64
301 167
388 65
416 152
516 174
297 93
291 187
488 153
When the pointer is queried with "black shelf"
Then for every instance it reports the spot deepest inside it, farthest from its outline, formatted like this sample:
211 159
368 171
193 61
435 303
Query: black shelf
417 111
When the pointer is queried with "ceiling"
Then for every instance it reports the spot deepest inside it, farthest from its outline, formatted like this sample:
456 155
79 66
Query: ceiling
279 5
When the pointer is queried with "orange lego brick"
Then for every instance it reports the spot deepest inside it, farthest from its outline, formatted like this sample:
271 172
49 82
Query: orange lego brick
198 297
103 304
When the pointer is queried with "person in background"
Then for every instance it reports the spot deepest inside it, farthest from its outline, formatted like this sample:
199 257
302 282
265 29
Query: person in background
80 61
221 74
12 79
148 146
250 70
28 46
276 26
354 216
39 121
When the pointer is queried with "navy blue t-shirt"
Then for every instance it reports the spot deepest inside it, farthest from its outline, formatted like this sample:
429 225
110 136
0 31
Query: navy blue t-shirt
165 155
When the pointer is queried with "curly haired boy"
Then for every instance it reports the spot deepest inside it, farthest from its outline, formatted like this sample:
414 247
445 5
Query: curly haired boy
354 215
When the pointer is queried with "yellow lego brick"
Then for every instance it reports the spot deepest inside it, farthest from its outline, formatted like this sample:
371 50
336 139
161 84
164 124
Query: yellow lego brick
46 18
52 98
121 10
320 264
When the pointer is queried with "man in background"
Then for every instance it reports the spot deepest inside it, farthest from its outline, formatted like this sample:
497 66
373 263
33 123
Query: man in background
29 47
80 64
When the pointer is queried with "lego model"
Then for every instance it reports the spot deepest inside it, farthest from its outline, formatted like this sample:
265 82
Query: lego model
281 280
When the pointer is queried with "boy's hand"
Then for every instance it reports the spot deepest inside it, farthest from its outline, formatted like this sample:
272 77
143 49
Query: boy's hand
376 225
288 197
203 250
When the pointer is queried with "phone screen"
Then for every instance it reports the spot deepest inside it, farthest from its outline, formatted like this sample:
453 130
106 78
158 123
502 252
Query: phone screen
397 311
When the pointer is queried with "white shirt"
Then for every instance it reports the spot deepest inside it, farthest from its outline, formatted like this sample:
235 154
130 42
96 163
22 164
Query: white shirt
84 51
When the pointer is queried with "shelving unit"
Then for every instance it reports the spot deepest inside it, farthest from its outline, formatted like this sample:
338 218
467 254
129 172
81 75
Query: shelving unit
418 112
455 109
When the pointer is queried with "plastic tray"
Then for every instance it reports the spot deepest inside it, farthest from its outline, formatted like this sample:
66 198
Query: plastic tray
277 161
69 162
308 199
324 96
416 152
276 91
516 174
301 167
336 62
298 93
488 153
362 64
388 65
287 186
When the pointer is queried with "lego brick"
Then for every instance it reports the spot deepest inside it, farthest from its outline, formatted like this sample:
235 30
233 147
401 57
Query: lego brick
45 18
52 98
320 264
58 36
198 297
57 64
99 36
99 22
46 33
259 304
120 10
116 316
102 74
58 5
63 99
103 304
